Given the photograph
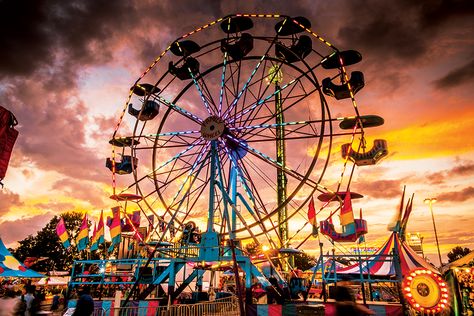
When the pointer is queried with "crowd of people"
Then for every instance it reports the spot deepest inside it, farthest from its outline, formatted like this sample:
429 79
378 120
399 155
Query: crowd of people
28 299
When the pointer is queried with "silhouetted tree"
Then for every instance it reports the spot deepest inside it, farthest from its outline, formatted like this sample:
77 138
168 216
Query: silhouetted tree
46 244
457 253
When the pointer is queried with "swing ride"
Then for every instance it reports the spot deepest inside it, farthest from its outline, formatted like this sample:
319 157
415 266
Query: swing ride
230 131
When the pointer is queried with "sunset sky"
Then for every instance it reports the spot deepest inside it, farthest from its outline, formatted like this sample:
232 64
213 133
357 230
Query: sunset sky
66 68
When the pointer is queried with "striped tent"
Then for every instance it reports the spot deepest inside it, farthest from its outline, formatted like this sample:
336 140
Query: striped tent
381 265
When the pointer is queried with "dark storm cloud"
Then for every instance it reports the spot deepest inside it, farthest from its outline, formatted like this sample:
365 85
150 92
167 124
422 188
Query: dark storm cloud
52 131
7 200
404 30
456 77
457 196
35 33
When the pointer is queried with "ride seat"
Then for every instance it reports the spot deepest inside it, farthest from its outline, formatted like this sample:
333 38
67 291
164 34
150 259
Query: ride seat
371 157
239 48
150 110
124 166
348 57
190 66
342 91
298 51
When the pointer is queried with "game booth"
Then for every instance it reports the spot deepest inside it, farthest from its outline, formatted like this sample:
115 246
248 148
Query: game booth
459 275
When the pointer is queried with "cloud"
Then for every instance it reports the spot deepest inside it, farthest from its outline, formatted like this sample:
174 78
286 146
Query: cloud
36 33
7 200
85 191
12 231
456 77
457 196
51 130
380 188
463 169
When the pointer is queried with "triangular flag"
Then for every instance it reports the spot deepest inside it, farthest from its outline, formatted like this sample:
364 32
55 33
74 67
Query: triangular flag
62 233
82 239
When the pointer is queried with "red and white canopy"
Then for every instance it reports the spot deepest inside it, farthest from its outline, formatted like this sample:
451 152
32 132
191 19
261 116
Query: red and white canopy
381 264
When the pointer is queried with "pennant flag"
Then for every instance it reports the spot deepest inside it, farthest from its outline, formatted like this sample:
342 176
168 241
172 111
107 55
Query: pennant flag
115 228
62 233
151 222
98 237
162 224
93 235
347 215
312 217
394 224
135 218
330 221
82 239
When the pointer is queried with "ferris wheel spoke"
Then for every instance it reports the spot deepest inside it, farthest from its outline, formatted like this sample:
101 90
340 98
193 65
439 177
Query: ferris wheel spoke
259 200
252 209
175 141
178 109
247 83
271 117
196 168
254 105
267 132
201 91
290 172
259 94
222 86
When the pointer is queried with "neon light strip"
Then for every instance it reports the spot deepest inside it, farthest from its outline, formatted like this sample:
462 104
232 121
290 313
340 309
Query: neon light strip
188 176
270 125
177 156
237 168
171 134
179 109
260 102
221 92
234 103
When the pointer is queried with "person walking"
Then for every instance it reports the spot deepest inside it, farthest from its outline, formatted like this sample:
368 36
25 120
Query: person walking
85 303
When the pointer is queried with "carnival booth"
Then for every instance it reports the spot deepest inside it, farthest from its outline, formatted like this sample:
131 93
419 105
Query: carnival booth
459 275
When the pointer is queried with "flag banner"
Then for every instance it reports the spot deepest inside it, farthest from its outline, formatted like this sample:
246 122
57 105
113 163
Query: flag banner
151 222
312 217
98 237
82 239
347 215
135 218
62 233
93 245
115 228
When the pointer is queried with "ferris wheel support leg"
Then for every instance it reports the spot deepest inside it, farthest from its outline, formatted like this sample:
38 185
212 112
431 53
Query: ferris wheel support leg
212 180
233 196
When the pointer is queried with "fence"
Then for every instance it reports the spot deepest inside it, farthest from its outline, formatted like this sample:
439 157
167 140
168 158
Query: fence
222 307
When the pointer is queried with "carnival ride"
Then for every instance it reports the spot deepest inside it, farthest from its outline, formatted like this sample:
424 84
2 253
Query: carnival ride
8 136
230 128
416 281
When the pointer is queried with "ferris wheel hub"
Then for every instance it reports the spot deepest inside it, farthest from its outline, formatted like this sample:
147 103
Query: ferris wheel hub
212 128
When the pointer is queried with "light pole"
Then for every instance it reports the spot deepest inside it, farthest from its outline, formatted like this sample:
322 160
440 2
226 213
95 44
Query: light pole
430 201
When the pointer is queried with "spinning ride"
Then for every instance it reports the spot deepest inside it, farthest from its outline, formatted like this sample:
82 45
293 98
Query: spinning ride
231 128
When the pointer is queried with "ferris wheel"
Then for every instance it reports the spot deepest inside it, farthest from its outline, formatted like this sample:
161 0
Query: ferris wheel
230 130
